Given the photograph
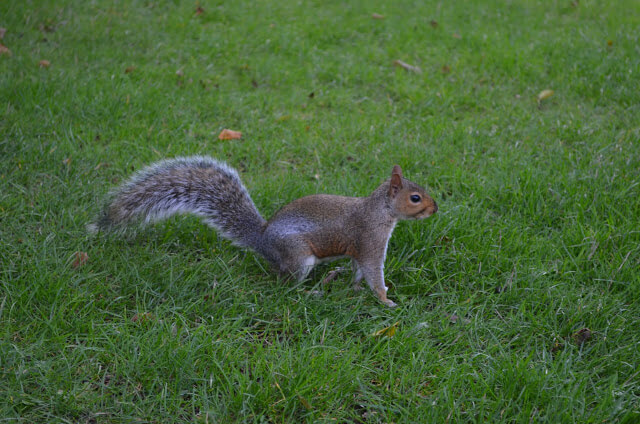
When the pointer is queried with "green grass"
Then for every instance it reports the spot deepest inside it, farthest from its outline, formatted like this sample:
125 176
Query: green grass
537 236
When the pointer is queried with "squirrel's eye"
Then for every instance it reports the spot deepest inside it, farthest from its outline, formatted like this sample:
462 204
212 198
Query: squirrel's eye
415 198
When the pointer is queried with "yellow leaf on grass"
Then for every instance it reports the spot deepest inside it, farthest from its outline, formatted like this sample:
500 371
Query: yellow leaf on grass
44 63
389 331
229 135
545 94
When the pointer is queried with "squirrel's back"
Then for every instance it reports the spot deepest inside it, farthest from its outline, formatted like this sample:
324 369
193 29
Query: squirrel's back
198 185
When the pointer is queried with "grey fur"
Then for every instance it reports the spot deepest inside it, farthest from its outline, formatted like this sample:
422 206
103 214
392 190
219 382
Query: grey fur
198 185
303 233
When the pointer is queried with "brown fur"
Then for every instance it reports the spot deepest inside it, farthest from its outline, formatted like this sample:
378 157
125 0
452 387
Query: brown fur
304 232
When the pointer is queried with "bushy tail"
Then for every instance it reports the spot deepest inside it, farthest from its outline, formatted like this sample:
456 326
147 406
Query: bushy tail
198 185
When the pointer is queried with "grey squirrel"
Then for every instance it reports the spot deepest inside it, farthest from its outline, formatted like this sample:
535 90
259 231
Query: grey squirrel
305 232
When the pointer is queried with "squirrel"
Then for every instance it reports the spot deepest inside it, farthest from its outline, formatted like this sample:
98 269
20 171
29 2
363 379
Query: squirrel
303 233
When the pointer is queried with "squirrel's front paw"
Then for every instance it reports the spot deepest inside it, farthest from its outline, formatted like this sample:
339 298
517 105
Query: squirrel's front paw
382 295
390 303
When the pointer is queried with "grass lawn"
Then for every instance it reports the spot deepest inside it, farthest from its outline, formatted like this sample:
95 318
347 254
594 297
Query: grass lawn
519 301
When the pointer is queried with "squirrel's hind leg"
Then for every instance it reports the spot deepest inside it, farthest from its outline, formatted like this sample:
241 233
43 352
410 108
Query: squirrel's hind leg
358 276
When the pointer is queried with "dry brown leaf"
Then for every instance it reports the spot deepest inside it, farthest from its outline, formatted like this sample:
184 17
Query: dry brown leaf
129 69
557 345
199 10
377 16
582 336
229 135
389 331
445 69
609 43
4 50
407 67
44 63
434 24
80 259
3 31
142 317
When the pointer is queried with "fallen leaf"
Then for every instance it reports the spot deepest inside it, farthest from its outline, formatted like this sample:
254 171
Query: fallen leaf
305 403
556 346
101 165
434 24
445 69
229 135
544 94
44 63
582 336
609 43
180 73
129 69
407 67
389 331
377 16
4 50
311 95
80 259
199 10
3 31
142 317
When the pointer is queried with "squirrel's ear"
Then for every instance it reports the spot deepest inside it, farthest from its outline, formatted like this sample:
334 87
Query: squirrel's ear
396 181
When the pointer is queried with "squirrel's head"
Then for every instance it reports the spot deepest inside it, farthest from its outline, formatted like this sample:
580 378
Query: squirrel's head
409 200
